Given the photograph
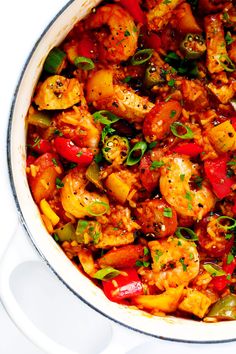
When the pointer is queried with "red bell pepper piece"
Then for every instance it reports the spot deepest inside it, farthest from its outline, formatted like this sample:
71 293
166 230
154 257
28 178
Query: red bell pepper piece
123 286
153 41
233 122
216 172
71 152
189 149
86 47
133 7
41 145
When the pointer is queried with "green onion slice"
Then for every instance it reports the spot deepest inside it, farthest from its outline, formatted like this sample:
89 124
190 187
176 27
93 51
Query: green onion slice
141 56
213 269
98 208
106 273
226 63
186 234
136 153
84 63
105 117
174 128
226 227
55 61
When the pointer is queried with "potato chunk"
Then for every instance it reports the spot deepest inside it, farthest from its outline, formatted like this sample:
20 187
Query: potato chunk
195 302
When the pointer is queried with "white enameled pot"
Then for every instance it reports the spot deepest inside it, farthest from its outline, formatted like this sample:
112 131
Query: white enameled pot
167 327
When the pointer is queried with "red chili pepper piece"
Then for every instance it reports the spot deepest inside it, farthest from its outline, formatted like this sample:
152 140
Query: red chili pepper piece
123 286
216 172
71 152
133 7
189 149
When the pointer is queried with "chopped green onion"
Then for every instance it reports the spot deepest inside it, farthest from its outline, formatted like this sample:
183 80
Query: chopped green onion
91 209
191 236
84 63
167 212
106 273
141 56
213 269
226 63
106 130
59 183
188 135
142 264
105 117
136 153
230 258
55 61
226 227
156 164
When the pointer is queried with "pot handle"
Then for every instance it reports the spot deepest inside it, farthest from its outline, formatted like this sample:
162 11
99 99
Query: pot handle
19 251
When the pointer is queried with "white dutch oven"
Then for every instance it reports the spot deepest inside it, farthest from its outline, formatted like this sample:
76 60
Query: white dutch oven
167 328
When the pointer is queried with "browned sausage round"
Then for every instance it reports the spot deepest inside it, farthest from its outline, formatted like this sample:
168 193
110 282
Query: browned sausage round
156 217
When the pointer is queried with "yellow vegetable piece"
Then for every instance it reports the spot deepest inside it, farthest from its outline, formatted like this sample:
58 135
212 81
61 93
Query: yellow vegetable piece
168 301
117 188
100 85
223 137
195 302
48 212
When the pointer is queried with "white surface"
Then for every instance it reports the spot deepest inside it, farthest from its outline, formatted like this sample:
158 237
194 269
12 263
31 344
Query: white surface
47 302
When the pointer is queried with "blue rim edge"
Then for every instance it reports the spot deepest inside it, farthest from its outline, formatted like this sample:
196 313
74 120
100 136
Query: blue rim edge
20 213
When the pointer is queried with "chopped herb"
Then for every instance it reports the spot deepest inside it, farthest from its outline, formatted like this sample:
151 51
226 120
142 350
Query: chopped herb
142 264
181 260
57 132
107 130
158 254
182 66
56 238
82 225
59 183
36 141
182 176
228 277
171 83
229 40
228 236
166 2
156 164
98 157
230 258
127 33
172 113
168 98
231 162
54 161
145 251
188 195
79 154
198 181
152 145
71 165
96 237
167 212
127 79
191 256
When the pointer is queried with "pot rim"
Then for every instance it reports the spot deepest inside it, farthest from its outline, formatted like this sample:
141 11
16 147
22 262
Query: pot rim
23 219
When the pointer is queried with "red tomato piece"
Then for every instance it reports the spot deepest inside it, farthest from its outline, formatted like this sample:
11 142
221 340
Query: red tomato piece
216 172
133 7
73 153
123 286
149 178
153 41
219 283
189 149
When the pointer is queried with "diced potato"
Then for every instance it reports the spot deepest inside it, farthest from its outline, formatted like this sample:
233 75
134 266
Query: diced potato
48 212
100 85
195 302
223 137
117 188
185 19
166 302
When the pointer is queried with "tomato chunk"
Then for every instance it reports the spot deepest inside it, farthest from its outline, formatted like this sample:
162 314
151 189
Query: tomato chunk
133 7
123 286
216 172
189 149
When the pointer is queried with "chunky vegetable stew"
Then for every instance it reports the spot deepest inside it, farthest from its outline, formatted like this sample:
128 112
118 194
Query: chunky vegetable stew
131 153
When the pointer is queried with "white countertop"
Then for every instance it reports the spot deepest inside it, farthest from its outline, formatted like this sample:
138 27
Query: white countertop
43 297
